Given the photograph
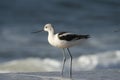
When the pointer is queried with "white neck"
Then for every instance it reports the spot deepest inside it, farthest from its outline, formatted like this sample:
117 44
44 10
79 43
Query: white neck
51 33
51 36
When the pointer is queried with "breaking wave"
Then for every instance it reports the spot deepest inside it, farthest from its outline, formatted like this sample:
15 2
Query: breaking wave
84 62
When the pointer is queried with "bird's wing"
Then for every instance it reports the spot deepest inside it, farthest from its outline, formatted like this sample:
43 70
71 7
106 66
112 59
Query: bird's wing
69 36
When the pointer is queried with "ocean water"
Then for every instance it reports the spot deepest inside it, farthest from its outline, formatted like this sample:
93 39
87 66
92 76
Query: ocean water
21 51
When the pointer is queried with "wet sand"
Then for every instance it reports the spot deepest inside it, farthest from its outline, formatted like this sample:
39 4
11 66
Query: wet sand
82 75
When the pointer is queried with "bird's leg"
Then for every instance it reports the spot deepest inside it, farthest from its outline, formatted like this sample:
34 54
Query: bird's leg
70 62
64 60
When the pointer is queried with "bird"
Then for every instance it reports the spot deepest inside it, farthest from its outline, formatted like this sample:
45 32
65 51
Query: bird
63 40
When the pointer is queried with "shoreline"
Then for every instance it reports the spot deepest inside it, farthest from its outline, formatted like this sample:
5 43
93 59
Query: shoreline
81 75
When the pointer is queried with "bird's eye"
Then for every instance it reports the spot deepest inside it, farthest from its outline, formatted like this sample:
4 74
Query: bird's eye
46 27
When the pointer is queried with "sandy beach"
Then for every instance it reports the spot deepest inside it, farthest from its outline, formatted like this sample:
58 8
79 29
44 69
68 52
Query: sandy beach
82 75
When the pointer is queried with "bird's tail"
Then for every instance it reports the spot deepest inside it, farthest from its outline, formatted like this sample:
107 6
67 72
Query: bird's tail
84 36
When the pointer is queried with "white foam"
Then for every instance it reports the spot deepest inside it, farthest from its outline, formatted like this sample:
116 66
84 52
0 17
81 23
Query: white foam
30 65
84 62
105 59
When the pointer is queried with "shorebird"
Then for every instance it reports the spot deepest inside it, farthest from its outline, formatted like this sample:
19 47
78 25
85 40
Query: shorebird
63 40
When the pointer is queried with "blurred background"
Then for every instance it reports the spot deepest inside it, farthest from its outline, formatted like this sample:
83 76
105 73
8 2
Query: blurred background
21 51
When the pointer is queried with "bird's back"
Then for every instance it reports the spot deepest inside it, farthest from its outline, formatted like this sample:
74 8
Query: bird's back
69 36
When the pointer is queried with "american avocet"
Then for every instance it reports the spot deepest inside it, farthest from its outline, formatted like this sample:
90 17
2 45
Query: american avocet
63 40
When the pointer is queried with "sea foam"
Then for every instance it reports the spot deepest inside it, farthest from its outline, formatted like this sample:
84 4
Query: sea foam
103 60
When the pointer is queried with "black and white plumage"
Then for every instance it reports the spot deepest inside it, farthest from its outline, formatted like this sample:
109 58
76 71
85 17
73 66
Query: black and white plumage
69 36
63 40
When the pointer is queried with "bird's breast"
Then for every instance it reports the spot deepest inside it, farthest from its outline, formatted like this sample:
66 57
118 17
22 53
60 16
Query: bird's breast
54 41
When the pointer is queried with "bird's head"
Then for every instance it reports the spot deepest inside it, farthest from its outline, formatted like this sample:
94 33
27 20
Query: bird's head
48 27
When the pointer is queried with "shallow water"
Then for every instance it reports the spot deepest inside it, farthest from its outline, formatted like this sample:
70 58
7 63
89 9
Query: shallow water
82 75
